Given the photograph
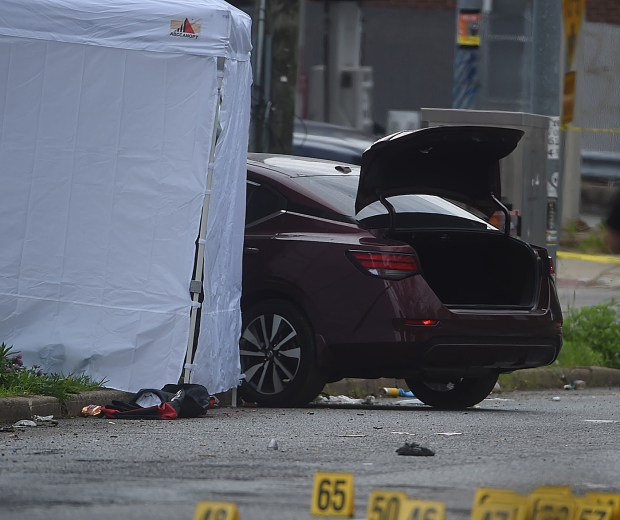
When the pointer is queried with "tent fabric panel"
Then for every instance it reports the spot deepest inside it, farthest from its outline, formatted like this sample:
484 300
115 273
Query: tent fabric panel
217 356
103 179
207 28
122 364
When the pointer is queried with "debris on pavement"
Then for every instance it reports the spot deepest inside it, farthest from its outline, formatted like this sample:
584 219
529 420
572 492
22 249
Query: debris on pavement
344 399
46 420
409 402
273 444
449 434
91 410
578 384
555 398
413 449
397 392
25 423
402 433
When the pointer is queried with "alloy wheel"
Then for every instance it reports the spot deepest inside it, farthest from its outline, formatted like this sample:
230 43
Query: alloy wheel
270 353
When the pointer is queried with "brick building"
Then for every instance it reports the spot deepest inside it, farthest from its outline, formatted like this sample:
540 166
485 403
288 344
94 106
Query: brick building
597 11
410 45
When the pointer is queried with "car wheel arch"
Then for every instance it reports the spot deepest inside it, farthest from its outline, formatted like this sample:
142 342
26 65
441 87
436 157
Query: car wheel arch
310 380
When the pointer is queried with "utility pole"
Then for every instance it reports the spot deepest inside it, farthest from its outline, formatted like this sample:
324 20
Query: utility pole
274 61
341 88
508 59
467 54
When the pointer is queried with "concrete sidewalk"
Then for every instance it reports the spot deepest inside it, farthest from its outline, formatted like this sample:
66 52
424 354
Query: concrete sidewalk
573 269
577 269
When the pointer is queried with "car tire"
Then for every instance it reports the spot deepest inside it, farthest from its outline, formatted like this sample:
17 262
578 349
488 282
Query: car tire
278 357
454 394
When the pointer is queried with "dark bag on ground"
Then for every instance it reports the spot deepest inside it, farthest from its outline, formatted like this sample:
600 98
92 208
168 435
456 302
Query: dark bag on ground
171 402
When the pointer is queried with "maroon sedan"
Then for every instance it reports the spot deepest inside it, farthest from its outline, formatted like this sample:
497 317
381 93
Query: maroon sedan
391 270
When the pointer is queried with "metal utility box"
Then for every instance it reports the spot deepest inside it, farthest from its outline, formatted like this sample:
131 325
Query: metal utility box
523 172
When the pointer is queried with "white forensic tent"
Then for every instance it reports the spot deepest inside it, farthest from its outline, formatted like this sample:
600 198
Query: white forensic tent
109 112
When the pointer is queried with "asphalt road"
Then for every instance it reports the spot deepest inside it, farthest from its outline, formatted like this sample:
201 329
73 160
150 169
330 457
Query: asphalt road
577 297
100 469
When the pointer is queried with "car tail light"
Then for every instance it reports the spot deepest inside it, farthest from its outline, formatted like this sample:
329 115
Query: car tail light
548 265
393 266
420 323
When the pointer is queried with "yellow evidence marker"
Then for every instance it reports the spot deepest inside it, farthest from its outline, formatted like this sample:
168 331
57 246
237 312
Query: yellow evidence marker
493 495
589 510
551 507
514 508
422 510
553 490
333 494
216 511
606 499
499 504
385 504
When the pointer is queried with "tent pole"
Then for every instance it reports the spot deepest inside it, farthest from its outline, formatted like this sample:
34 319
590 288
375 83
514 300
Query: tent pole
196 284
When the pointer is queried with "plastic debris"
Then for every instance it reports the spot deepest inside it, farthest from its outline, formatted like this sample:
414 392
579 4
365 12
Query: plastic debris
577 384
43 418
344 399
409 402
25 423
273 444
413 449
46 420
91 410
449 434
397 392
555 398
147 399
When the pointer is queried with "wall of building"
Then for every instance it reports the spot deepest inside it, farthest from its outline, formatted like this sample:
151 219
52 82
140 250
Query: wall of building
603 11
598 88
410 49
599 11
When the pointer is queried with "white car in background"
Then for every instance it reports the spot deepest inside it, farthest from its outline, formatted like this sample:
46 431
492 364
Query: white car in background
326 141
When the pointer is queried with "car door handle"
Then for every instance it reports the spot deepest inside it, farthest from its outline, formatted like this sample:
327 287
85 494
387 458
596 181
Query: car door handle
251 250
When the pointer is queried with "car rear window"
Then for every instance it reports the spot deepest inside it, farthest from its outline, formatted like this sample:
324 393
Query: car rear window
340 191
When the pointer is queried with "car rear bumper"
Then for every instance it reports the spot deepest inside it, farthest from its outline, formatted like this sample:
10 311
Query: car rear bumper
445 355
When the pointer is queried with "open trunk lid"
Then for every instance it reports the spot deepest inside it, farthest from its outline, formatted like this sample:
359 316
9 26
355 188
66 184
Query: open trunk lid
457 162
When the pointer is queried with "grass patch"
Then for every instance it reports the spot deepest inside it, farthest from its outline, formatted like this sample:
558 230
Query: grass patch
16 380
592 336
579 237
591 339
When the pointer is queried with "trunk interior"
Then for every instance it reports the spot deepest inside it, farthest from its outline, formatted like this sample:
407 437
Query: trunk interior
478 269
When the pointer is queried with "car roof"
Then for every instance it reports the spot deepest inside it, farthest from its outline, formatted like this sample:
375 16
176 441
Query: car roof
295 166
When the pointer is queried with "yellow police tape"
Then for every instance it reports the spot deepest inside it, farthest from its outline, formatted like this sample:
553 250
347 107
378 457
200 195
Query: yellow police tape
571 128
603 259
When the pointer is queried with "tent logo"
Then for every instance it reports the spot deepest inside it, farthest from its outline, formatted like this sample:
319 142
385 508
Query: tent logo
185 28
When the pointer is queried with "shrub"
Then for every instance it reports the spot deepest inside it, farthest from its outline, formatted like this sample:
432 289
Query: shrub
592 336
16 379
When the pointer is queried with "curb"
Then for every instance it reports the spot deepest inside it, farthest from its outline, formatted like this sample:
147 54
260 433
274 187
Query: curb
601 259
546 378
13 409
